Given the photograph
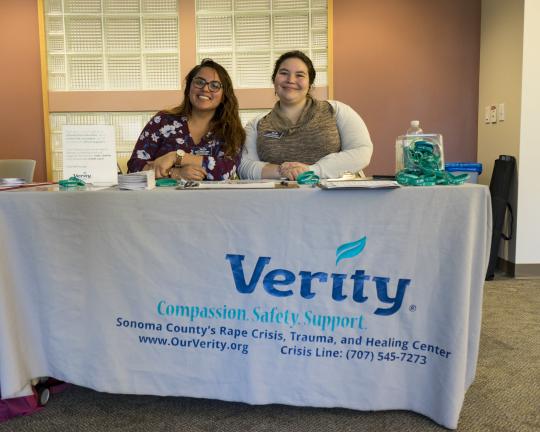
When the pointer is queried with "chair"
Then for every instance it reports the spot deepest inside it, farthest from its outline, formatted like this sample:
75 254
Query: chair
18 168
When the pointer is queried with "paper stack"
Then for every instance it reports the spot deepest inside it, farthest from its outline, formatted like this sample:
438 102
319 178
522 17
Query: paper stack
12 181
359 184
137 181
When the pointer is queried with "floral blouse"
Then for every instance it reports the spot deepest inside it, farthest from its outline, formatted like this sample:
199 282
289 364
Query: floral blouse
165 133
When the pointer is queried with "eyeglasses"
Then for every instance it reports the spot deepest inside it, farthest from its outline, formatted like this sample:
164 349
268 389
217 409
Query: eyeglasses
213 86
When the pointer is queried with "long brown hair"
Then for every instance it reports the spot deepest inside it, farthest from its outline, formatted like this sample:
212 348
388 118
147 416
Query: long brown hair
226 122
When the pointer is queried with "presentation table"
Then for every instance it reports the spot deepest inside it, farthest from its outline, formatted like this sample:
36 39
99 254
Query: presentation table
363 299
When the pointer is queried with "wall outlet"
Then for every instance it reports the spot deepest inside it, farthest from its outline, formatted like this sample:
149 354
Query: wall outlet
493 114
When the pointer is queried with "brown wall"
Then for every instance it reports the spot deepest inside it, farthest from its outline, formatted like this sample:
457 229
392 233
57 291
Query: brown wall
402 60
21 109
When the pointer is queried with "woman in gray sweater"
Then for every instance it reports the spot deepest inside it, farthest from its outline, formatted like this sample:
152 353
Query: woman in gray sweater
301 133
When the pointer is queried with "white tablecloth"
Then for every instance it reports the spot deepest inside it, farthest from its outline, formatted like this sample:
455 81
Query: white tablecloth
247 295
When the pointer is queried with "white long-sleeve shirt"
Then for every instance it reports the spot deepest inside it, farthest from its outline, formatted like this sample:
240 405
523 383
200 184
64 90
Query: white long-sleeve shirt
355 154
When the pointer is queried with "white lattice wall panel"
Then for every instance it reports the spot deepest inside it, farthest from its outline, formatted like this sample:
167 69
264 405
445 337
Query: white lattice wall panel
55 25
319 40
319 4
82 6
214 5
161 72
53 7
160 33
253 33
290 4
291 31
57 64
112 35
123 34
319 20
224 59
214 32
124 72
85 72
249 67
85 34
319 59
127 127
121 6
159 6
252 5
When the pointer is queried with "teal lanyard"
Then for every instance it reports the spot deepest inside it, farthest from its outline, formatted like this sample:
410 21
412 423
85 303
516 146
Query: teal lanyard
72 182
423 162
308 178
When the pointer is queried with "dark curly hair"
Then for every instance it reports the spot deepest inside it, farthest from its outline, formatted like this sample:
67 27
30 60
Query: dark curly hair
299 55
226 122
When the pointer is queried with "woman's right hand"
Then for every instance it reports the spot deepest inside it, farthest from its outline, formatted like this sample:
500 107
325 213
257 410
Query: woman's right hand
188 172
163 164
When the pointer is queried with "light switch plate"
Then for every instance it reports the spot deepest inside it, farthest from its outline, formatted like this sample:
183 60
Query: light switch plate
501 113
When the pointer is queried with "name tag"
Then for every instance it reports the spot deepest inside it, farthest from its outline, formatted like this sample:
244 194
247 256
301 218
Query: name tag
201 152
273 134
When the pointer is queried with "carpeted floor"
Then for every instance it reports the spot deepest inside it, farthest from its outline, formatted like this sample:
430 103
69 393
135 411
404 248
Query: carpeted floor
504 397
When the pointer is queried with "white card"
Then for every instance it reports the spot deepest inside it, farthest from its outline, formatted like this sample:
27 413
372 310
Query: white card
90 153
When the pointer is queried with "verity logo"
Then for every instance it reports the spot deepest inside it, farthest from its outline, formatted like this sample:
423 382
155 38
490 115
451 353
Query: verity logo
279 282
350 250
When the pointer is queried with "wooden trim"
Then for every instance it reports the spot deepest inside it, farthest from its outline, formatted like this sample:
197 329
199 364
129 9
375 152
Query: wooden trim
330 49
155 100
519 271
90 101
44 87
187 33
527 271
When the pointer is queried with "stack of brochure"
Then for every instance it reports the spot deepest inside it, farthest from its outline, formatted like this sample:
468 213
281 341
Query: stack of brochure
137 181
358 184
12 181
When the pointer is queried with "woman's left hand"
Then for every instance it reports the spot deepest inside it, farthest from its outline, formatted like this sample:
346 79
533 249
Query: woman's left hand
292 170
188 172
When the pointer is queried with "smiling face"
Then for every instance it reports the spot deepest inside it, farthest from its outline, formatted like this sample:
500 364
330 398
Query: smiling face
202 99
291 82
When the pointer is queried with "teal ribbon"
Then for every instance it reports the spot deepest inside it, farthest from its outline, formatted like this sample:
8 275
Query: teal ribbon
423 161
307 178
72 182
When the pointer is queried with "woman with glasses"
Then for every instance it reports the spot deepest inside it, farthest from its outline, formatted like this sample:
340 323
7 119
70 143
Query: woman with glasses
301 133
199 139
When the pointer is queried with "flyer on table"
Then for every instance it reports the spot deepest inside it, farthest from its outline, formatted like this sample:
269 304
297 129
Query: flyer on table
89 153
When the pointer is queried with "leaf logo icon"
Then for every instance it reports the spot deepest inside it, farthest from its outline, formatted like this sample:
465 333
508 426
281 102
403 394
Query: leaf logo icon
349 250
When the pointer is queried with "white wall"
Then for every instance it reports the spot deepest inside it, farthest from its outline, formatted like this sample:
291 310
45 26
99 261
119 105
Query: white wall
509 74
528 220
501 58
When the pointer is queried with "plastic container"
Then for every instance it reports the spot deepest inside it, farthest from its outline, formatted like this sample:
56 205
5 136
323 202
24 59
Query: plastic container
474 169
405 143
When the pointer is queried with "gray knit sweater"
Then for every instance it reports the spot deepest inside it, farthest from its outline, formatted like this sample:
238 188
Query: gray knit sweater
354 155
